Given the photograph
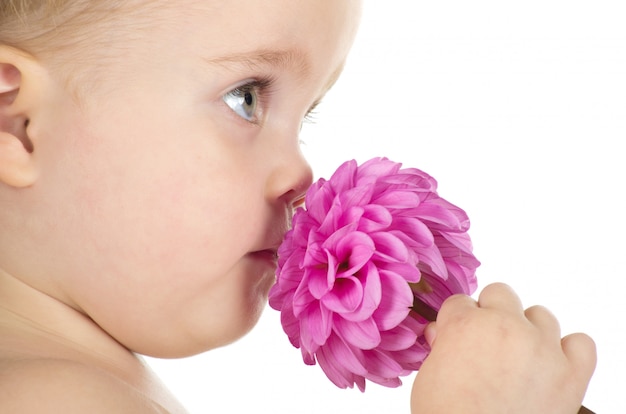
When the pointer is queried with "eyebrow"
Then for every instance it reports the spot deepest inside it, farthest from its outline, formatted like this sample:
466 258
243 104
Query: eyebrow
283 59
261 59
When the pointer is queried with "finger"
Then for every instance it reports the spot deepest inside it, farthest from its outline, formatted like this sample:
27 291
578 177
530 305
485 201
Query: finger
545 320
500 296
580 350
430 333
455 306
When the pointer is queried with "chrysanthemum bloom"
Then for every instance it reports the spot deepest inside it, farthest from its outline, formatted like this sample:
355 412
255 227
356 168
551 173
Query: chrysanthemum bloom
369 241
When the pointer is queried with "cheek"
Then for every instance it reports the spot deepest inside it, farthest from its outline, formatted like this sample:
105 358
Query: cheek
155 235
178 247
168 227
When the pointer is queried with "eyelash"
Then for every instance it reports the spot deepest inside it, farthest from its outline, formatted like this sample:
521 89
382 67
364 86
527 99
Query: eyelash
262 89
311 115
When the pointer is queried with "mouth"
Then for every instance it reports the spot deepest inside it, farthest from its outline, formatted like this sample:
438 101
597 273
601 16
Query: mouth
267 255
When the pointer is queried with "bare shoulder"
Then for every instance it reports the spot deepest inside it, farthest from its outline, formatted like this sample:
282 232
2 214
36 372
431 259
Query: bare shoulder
62 386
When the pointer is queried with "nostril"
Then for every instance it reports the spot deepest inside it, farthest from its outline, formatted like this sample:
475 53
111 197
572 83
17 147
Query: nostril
298 202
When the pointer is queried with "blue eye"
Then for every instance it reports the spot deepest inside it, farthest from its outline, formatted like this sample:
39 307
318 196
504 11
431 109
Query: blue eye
243 101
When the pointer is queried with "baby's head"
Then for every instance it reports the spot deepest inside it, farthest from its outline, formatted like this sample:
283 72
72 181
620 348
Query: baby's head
149 155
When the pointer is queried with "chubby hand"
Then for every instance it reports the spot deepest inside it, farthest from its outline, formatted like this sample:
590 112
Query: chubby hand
491 356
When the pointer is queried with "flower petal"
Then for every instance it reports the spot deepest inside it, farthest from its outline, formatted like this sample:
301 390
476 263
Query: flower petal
302 298
381 364
397 339
441 214
342 360
370 280
389 247
315 326
363 334
395 303
346 295
412 231
354 250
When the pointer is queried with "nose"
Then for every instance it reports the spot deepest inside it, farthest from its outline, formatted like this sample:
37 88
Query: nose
290 178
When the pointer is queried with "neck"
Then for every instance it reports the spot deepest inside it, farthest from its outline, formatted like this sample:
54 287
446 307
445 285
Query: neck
37 313
38 326
35 325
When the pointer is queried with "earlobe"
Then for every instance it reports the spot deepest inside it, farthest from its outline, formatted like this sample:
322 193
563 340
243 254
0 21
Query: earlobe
17 162
17 167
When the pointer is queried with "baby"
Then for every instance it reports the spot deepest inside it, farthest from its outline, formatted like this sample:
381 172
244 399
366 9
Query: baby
149 166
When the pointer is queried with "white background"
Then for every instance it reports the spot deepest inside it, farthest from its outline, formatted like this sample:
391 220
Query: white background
519 110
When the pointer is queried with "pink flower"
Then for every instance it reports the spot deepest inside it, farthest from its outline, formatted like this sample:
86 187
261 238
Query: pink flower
369 241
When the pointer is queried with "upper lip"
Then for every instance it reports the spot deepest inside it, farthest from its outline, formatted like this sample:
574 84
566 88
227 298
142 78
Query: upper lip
275 233
271 247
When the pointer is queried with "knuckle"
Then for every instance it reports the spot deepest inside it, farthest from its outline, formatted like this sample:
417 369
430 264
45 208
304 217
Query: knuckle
497 289
457 303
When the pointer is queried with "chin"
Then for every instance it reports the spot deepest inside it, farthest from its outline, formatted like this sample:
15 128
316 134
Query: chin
216 325
228 330
246 320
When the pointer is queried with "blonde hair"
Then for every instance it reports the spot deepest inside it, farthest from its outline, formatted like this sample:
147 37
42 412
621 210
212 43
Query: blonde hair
72 36
24 22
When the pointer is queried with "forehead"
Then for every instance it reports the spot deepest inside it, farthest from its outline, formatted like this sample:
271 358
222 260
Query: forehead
287 33
310 38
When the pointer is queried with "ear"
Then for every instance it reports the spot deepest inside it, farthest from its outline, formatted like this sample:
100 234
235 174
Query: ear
19 73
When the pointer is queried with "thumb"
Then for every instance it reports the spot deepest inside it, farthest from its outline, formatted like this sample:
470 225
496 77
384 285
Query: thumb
430 333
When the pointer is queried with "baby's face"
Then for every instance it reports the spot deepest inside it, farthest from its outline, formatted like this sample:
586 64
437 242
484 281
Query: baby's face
178 175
